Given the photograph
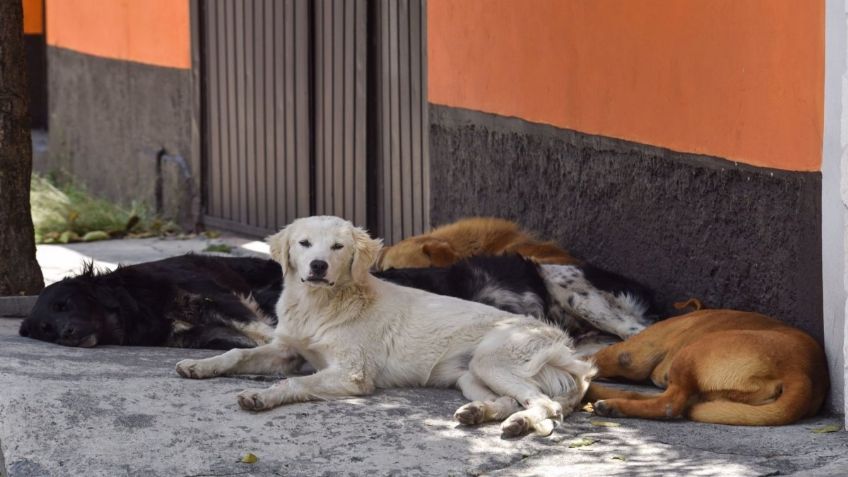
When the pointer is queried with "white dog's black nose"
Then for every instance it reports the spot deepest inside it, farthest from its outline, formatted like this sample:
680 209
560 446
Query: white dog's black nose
318 268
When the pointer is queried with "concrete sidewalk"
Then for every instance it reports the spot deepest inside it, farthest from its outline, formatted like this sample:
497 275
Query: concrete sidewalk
112 411
123 411
59 261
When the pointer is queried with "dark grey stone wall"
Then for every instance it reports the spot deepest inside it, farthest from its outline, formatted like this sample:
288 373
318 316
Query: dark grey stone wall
108 118
729 234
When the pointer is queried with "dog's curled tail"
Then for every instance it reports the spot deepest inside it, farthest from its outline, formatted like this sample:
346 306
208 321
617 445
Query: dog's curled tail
791 405
559 373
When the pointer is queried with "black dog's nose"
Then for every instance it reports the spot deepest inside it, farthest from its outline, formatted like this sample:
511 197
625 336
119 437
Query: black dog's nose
318 268
68 332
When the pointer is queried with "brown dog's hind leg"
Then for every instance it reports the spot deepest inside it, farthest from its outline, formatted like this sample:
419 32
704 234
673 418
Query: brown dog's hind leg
668 405
672 403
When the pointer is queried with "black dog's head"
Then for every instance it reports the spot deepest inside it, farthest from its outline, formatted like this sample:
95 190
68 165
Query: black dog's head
73 312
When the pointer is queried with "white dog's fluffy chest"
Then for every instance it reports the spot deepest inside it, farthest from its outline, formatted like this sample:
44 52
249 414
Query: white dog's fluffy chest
406 337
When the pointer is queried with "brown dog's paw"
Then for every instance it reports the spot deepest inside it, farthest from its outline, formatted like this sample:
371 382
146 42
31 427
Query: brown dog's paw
601 408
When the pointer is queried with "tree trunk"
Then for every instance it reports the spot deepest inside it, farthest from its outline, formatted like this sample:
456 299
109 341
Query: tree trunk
19 271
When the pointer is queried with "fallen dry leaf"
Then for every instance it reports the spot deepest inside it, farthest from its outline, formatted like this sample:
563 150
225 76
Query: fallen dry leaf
618 457
249 458
582 443
598 423
95 235
827 428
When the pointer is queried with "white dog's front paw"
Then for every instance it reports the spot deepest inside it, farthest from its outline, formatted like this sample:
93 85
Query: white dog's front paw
516 425
196 369
471 413
254 400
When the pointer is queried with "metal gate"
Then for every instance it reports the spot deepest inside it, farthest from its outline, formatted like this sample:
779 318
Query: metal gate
313 107
340 113
401 121
256 134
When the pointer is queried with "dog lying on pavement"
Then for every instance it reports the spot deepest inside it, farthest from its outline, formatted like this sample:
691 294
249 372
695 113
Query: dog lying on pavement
578 298
465 238
362 333
190 301
717 366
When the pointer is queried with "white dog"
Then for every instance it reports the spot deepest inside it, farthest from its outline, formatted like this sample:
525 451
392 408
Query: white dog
362 333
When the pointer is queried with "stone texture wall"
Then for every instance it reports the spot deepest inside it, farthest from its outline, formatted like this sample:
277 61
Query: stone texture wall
687 226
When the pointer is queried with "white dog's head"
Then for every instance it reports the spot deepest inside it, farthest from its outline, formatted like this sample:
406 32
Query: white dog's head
324 251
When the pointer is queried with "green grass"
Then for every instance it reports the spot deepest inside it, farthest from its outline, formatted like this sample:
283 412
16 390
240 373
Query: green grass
67 212
218 247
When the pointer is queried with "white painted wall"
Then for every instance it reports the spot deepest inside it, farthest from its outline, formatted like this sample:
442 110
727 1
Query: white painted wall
835 197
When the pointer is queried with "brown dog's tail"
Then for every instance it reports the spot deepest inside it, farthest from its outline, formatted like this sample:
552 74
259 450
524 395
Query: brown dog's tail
793 404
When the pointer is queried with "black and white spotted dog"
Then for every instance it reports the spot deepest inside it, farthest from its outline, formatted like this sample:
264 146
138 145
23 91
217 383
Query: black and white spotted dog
595 306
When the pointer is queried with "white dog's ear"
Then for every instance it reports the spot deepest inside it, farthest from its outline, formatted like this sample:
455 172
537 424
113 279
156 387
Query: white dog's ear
279 244
365 251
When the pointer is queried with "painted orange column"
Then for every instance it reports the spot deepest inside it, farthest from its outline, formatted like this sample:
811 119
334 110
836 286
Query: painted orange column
155 32
742 80
33 17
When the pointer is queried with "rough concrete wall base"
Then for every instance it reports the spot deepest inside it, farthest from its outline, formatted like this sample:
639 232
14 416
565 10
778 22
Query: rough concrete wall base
109 118
687 226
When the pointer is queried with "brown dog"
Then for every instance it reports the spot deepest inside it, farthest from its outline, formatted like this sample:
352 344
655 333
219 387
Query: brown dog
718 366
450 243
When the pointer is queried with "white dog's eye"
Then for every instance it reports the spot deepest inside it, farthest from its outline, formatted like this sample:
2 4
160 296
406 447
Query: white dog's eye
305 243
337 246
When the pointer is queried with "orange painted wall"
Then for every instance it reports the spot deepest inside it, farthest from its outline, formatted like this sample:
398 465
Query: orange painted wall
739 79
155 32
33 17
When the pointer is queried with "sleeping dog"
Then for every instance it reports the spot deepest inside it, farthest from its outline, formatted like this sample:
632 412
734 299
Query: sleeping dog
448 244
190 301
362 333
717 366
578 298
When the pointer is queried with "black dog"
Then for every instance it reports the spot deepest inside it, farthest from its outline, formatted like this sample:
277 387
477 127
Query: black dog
190 301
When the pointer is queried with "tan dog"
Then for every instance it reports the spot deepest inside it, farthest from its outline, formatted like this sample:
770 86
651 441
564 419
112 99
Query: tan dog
450 243
718 366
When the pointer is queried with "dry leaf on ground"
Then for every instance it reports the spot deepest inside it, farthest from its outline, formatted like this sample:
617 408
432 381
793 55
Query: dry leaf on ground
582 443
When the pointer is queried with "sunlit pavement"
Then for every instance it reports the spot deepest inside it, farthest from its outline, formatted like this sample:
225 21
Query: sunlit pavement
59 261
